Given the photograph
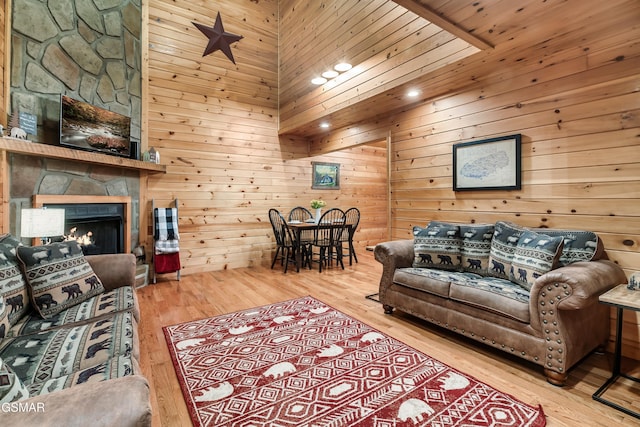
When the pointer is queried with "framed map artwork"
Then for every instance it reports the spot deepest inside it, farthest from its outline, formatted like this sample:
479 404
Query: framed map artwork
490 164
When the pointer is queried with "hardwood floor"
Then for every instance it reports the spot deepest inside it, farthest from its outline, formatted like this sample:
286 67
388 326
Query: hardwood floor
209 294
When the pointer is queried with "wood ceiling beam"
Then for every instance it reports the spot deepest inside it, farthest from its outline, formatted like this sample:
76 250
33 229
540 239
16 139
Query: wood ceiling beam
425 12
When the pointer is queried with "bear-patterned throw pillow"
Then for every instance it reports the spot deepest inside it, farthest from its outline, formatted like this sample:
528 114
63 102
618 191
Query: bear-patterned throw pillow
437 246
4 318
58 276
578 245
11 388
536 254
476 247
503 246
12 284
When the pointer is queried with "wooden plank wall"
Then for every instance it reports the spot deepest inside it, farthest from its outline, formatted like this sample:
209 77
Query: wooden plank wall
579 118
215 126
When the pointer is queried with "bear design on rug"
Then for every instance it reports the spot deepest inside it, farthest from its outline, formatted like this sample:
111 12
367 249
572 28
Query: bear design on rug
414 410
225 389
279 370
240 330
283 319
454 381
371 337
333 350
183 345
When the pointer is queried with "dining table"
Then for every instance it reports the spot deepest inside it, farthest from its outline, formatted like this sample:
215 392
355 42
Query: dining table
299 226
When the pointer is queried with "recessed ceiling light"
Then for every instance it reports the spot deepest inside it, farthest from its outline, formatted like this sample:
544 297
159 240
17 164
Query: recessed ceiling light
324 125
318 80
413 93
329 74
342 67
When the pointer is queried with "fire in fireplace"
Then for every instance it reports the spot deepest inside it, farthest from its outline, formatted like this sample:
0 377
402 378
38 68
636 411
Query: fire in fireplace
98 227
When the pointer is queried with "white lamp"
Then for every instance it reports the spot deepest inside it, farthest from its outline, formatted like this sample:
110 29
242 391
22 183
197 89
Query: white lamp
42 223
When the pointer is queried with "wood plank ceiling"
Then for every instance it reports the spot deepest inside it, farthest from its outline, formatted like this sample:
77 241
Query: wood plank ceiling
395 47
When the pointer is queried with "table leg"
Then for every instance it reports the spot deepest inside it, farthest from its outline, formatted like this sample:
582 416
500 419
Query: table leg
298 249
615 374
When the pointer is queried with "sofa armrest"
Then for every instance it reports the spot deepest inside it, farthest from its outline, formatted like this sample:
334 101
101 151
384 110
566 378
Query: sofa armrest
564 308
573 287
581 283
114 270
393 254
122 402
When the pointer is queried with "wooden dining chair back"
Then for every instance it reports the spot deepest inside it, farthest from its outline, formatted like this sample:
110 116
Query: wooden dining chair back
300 213
352 219
327 236
285 243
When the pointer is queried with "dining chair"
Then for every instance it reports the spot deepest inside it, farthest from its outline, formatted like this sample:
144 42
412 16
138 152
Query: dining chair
352 219
327 235
302 214
286 245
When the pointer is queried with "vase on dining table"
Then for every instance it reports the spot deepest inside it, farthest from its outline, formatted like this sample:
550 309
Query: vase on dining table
318 215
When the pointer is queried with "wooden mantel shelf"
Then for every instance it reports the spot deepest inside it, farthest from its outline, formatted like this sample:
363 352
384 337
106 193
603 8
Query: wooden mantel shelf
27 148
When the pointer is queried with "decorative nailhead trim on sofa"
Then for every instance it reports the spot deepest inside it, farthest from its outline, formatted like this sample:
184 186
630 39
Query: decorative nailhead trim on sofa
484 339
548 298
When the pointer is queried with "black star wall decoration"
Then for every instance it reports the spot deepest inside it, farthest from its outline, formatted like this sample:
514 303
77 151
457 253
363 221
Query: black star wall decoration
219 39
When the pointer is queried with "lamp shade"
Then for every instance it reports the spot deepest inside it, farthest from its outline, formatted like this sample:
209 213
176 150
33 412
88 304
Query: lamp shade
41 222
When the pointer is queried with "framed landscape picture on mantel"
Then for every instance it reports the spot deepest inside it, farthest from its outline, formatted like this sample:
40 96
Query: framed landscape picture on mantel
325 176
490 164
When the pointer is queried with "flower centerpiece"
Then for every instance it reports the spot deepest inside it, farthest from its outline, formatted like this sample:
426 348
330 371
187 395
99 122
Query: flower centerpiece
318 204
315 204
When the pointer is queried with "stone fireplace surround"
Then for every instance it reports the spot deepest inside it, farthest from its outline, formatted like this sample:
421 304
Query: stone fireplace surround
47 180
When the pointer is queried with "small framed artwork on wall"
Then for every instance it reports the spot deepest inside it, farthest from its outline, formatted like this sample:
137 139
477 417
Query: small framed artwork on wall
490 164
325 176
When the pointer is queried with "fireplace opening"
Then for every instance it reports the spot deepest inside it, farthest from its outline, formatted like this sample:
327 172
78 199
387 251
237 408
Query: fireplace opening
98 227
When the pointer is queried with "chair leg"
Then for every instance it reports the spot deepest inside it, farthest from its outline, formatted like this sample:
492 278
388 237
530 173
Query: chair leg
352 251
321 259
339 255
275 257
285 255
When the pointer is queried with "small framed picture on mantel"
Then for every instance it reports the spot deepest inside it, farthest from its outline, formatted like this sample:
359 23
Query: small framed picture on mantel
489 164
325 176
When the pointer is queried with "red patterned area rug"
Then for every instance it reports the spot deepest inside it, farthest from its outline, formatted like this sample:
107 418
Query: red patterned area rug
304 363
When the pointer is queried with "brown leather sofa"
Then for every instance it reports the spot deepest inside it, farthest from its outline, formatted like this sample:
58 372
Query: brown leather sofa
554 324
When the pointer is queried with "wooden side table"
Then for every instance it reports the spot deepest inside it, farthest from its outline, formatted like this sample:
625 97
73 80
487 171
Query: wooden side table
621 298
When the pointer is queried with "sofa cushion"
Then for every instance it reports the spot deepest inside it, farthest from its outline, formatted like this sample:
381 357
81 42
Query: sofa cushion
58 352
115 367
535 255
58 276
503 246
434 281
12 284
437 246
105 304
577 246
11 387
494 294
476 247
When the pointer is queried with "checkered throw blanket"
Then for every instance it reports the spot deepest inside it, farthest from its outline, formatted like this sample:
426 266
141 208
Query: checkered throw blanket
167 247
166 220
